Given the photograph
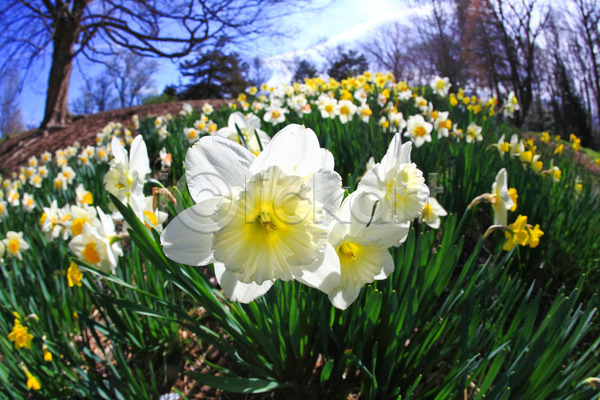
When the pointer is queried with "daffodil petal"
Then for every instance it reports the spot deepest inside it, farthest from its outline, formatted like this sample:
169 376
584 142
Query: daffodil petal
327 190
188 238
138 156
119 153
324 273
236 290
343 297
295 150
387 267
214 166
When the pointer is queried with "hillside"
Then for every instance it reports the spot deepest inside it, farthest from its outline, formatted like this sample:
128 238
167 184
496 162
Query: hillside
17 148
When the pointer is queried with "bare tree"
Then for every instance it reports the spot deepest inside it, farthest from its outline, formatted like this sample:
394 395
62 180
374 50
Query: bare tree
585 45
99 92
258 72
99 28
11 119
389 46
131 75
519 24
438 49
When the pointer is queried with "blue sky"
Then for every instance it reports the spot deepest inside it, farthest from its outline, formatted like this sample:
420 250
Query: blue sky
342 22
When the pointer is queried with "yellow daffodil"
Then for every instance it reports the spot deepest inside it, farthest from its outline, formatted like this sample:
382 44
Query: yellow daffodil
74 275
519 234
559 149
20 335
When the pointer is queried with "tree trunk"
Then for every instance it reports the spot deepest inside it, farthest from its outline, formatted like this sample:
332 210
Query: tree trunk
57 98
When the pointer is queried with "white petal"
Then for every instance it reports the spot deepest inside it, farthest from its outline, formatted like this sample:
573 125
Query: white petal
138 157
327 190
396 154
327 161
343 297
214 165
295 150
387 268
386 235
324 273
188 238
236 290
119 153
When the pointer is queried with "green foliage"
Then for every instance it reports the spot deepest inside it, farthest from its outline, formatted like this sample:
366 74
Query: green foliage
459 317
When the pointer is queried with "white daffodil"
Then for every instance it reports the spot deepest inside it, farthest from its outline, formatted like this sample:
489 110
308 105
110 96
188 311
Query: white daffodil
346 110
443 124
84 198
28 202
432 211
423 105
3 212
361 248
15 244
397 184
418 130
249 127
441 86
56 221
397 122
258 218
98 246
82 215
511 104
126 177
473 133
151 217
501 199
327 106
275 114
13 197
2 250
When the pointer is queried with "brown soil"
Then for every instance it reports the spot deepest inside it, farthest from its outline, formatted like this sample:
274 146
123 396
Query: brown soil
17 148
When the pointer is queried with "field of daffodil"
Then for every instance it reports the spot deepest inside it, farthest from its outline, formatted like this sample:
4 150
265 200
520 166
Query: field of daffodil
320 240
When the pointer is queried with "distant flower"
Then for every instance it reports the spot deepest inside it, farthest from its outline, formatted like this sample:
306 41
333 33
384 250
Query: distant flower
511 104
274 114
249 129
15 244
432 211
83 197
165 158
441 86
501 199
418 130
98 246
346 110
20 335
28 202
207 109
473 133
74 275
127 174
